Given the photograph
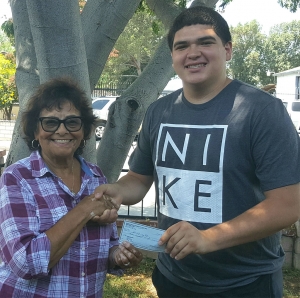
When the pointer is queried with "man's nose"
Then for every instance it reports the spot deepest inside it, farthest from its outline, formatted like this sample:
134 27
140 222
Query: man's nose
194 52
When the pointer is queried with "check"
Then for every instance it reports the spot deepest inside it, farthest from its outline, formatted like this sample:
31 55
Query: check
142 236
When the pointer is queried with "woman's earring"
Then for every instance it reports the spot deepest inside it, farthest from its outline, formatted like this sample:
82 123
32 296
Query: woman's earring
35 145
83 143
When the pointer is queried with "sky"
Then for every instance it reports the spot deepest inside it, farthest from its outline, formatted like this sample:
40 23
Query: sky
267 12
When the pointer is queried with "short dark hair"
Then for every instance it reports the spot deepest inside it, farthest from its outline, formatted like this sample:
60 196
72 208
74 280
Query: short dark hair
201 15
53 94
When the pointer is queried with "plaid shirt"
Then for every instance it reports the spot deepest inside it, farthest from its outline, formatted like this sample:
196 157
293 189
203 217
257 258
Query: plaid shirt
32 200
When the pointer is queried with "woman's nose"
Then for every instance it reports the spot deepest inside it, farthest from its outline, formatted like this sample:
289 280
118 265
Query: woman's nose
61 128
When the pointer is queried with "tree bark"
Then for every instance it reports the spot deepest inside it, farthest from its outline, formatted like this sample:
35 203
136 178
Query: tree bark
126 115
64 46
59 45
27 78
102 23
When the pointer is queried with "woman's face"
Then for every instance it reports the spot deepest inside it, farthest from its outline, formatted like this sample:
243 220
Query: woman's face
61 143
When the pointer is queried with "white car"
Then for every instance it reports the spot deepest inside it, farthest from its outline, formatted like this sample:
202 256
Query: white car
100 108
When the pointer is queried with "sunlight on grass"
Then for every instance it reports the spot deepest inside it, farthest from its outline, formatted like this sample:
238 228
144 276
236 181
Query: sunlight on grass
137 283
291 283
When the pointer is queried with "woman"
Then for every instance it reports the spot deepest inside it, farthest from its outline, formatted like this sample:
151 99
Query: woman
49 246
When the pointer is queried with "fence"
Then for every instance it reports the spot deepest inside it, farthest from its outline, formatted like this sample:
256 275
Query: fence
112 89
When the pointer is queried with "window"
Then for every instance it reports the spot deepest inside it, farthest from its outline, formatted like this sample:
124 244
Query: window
296 106
297 91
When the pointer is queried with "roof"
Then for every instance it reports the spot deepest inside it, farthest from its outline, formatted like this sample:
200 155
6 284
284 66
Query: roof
295 70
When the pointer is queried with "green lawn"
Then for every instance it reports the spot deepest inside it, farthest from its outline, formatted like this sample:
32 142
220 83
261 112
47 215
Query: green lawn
136 283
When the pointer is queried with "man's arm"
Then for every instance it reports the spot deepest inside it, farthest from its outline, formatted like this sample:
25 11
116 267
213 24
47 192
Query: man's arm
134 187
280 209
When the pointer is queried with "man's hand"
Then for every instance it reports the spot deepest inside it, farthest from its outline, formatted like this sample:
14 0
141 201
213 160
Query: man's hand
182 239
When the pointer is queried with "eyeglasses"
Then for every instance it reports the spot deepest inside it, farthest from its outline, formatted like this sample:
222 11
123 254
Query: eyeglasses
51 124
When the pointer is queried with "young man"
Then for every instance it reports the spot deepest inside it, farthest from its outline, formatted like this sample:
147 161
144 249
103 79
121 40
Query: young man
225 159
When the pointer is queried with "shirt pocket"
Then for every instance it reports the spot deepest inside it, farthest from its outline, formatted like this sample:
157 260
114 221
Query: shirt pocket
50 210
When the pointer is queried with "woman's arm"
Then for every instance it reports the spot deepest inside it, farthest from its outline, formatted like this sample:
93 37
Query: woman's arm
65 231
21 236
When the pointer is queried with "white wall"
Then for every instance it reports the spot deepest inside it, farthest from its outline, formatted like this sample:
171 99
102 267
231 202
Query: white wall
6 129
285 87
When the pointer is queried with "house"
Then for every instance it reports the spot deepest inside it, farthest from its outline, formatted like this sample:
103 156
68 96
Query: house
288 84
288 90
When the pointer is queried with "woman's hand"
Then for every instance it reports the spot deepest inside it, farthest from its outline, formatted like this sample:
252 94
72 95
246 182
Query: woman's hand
126 255
95 205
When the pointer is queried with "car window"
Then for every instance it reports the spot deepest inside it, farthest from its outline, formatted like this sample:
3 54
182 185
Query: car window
99 104
296 106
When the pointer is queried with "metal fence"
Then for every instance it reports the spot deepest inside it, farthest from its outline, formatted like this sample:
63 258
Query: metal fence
144 210
112 89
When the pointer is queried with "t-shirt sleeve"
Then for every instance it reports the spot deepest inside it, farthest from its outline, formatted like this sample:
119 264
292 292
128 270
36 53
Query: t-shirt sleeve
275 147
141 158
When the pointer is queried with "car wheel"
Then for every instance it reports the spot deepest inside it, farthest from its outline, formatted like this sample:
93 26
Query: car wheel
100 130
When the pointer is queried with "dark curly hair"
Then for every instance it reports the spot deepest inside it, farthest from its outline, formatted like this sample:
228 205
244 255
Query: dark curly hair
52 95
200 15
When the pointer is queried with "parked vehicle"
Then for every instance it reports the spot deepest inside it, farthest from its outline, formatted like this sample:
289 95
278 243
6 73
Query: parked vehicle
100 108
293 108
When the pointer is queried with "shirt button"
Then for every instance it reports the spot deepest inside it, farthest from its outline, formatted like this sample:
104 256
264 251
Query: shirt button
82 274
83 248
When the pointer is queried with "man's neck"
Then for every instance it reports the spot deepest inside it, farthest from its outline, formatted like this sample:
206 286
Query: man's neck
199 94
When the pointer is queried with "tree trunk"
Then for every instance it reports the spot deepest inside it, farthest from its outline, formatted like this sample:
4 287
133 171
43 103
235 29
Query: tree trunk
102 23
64 46
26 75
59 46
126 115
57 33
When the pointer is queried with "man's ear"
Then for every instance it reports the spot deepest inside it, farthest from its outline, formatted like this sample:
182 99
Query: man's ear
228 49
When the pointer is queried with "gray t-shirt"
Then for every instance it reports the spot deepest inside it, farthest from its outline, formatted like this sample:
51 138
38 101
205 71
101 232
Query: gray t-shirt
211 162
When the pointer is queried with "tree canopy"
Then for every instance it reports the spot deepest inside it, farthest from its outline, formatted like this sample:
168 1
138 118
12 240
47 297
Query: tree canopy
254 53
291 5
8 90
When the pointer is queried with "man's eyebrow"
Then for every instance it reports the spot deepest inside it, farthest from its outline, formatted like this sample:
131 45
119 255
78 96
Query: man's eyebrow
198 40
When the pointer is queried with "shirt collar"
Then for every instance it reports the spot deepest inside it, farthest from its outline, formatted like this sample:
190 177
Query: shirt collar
39 168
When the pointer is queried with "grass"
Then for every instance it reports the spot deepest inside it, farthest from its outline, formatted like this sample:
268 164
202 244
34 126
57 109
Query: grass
291 283
136 283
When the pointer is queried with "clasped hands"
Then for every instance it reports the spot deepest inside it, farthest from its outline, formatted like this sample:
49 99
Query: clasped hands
105 209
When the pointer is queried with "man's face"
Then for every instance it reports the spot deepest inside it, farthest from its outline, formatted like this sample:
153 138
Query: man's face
199 56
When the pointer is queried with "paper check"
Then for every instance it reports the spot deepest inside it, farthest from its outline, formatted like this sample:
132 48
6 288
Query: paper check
142 236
